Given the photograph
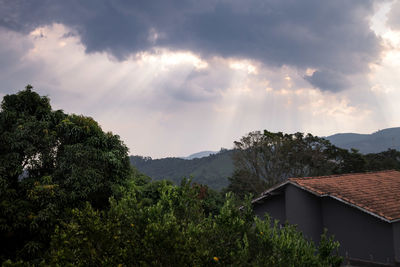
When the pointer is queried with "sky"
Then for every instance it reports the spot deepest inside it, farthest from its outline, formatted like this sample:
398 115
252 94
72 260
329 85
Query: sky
172 78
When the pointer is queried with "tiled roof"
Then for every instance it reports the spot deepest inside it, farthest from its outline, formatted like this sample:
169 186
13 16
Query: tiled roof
375 192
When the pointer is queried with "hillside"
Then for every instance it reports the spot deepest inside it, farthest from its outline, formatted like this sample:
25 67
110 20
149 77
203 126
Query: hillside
368 143
212 170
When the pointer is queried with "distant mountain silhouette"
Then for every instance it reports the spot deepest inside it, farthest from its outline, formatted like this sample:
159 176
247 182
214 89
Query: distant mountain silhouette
201 154
368 143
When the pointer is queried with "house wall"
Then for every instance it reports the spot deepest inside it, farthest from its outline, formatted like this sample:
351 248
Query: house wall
304 210
274 206
396 240
361 236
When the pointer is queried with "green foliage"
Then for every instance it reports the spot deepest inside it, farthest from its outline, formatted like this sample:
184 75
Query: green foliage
288 247
350 161
264 159
50 162
329 250
256 164
243 183
175 231
212 171
68 196
386 160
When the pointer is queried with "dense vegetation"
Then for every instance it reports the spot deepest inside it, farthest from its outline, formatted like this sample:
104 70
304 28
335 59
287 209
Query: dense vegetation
50 163
226 168
213 170
260 160
265 159
68 196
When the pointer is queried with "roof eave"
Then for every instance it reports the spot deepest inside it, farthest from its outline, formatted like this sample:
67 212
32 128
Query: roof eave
268 192
345 202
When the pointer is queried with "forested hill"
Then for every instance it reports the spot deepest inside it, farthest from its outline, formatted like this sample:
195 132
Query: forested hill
213 170
368 143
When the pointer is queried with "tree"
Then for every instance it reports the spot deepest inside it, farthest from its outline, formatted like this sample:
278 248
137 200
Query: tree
68 196
264 159
385 160
88 162
24 137
175 230
50 162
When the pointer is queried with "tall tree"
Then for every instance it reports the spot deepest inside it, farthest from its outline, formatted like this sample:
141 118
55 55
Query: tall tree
385 160
50 162
264 159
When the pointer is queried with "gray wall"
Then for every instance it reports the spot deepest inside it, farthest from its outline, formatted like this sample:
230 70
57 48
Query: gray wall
361 235
304 210
274 206
396 240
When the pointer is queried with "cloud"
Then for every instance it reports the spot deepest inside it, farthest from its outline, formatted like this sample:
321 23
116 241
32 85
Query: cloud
165 102
333 37
394 16
329 80
13 47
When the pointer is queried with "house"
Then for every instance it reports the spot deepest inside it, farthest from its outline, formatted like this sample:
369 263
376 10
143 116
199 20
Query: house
361 210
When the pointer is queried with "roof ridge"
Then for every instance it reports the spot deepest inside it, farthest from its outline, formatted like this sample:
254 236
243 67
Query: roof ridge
364 194
339 175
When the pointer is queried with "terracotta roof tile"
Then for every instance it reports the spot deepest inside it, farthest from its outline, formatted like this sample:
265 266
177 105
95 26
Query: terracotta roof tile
375 192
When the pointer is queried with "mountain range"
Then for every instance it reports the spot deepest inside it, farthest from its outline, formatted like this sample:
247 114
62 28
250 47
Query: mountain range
368 143
213 168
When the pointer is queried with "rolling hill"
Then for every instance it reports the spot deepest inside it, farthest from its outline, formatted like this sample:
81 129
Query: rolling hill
214 169
368 143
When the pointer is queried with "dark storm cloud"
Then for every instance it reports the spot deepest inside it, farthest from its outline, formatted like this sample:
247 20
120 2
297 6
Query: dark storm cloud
329 80
331 36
